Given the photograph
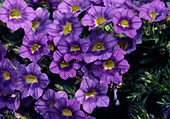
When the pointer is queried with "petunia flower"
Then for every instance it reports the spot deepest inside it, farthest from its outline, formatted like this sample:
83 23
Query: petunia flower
45 3
31 81
48 100
97 16
41 21
111 70
100 47
74 6
92 94
66 109
63 68
73 48
16 14
154 11
34 46
63 26
8 77
126 22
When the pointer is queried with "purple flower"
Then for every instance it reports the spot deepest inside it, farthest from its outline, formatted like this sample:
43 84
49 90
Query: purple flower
66 109
45 3
126 22
41 21
100 47
74 6
2 52
112 69
16 14
96 2
92 93
11 101
74 48
63 26
63 68
154 11
168 4
34 46
127 45
97 15
48 100
8 76
31 81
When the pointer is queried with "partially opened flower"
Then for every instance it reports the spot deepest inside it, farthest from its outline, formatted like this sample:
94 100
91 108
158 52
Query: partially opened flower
8 77
45 3
16 14
97 15
41 21
66 109
111 70
48 100
63 26
74 6
92 94
34 46
73 48
63 68
100 47
10 100
31 81
154 11
126 22
51 46
2 52
127 45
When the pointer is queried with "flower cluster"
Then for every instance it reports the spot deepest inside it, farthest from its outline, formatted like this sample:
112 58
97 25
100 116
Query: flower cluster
99 55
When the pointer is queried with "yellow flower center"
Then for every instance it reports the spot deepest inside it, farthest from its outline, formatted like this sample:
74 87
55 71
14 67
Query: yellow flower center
51 46
74 47
153 15
123 44
44 4
35 24
124 23
109 64
75 8
64 64
15 14
168 18
66 112
98 46
90 93
52 104
100 20
31 79
67 28
6 75
35 47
